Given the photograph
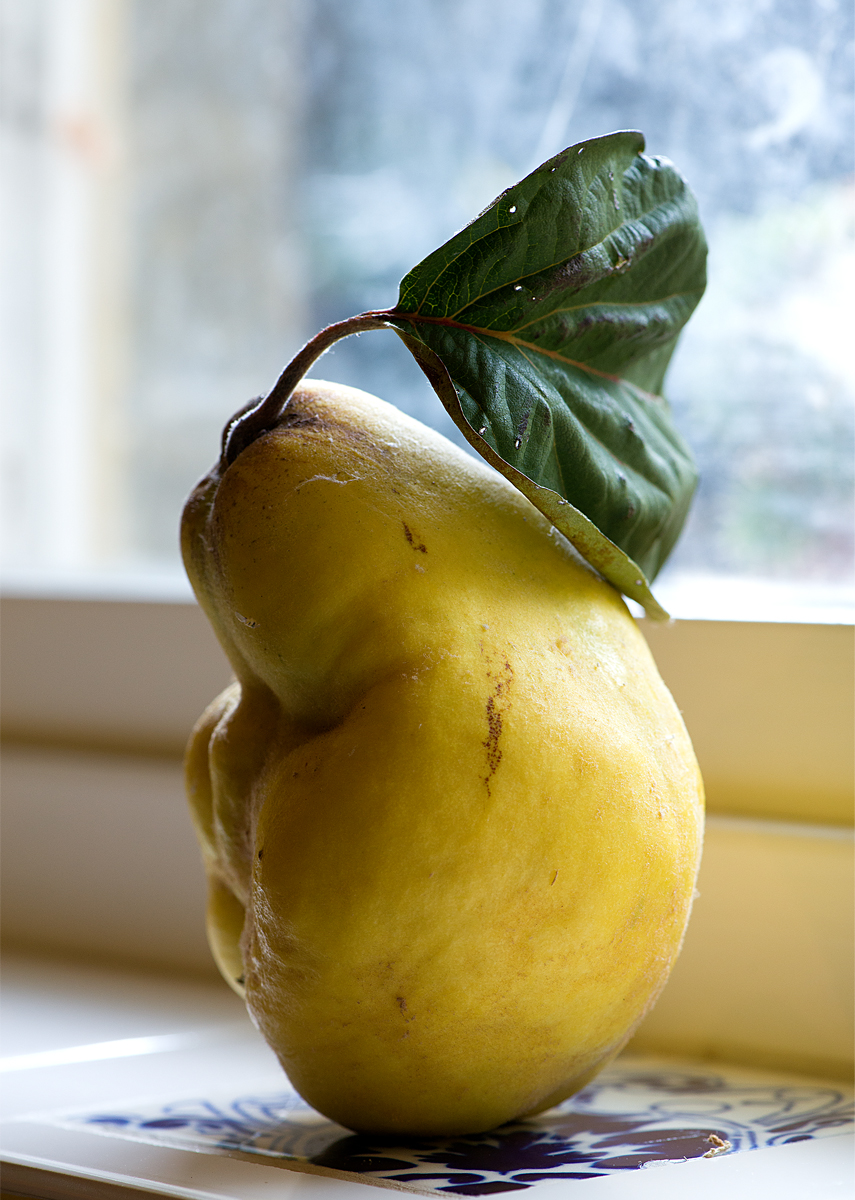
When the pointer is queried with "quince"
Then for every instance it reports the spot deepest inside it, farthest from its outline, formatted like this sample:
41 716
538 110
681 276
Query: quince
450 814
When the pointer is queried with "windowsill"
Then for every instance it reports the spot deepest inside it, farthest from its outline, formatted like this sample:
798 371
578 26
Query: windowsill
164 585
708 597
687 597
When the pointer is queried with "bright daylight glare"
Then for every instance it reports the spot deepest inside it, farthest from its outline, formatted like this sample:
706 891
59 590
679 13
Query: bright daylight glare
194 187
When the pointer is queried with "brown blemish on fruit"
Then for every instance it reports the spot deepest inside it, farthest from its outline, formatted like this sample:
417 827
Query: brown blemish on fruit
495 720
494 732
402 1005
409 536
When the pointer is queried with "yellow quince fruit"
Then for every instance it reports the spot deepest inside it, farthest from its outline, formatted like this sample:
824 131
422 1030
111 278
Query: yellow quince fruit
449 812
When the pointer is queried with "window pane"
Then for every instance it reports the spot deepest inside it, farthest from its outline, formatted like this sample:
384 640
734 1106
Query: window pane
198 186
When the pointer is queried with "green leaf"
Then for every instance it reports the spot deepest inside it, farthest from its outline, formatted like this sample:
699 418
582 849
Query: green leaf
546 327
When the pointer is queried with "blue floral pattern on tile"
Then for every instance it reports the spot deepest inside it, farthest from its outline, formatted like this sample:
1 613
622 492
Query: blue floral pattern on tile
632 1116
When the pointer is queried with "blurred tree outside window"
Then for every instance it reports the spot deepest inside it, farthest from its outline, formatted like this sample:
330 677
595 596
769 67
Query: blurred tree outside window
193 187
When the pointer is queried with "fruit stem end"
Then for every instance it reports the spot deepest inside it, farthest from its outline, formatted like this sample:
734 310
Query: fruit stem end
260 416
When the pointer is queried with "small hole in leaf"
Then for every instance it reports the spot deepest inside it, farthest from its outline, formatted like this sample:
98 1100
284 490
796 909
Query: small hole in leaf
517 287
581 148
512 209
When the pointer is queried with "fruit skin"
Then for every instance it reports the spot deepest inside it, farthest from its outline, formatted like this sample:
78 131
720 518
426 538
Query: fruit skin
450 814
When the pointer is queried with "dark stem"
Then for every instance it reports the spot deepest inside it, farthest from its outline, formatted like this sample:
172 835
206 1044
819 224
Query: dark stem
252 422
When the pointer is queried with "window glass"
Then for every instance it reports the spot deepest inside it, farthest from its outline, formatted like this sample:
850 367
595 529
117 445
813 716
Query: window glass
196 187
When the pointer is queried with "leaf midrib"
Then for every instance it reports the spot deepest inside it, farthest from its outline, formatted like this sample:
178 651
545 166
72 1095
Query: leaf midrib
511 339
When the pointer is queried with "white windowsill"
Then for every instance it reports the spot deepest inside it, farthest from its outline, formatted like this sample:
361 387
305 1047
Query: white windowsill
687 597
